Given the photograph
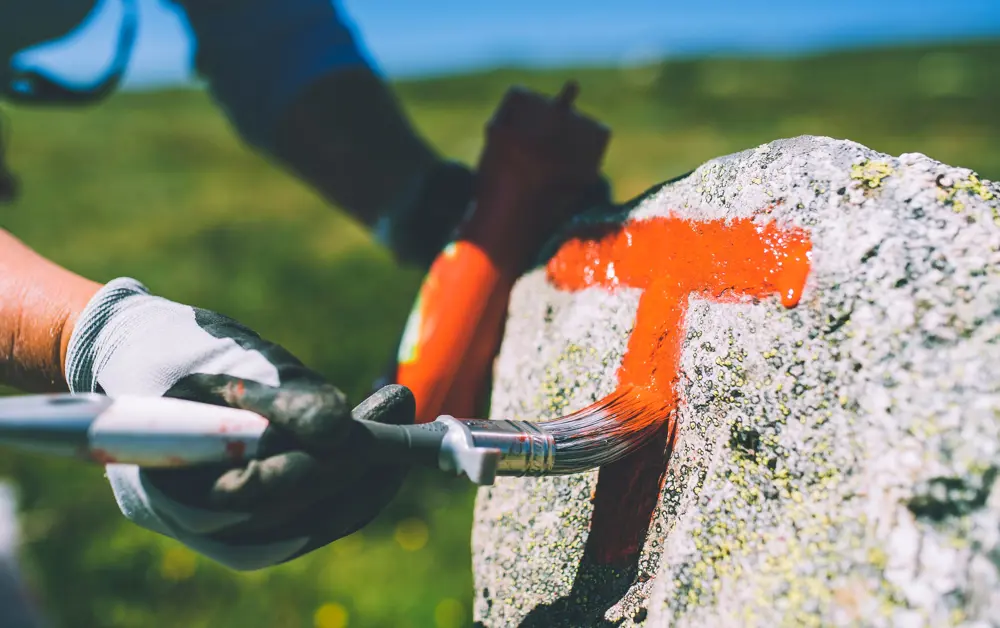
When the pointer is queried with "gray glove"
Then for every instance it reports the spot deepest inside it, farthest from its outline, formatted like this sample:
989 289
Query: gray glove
311 489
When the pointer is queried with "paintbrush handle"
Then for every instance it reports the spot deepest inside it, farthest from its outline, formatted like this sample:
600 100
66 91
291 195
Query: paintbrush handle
399 444
163 432
166 432
158 432
148 431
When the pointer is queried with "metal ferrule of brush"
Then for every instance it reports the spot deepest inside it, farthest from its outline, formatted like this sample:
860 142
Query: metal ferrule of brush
485 449
524 449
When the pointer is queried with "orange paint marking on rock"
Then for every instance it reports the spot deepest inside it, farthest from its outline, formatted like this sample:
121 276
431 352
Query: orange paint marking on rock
670 259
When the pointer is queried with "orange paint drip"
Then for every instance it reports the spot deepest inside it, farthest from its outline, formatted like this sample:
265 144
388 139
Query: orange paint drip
670 259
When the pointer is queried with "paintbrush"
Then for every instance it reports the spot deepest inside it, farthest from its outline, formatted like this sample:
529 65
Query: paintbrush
157 432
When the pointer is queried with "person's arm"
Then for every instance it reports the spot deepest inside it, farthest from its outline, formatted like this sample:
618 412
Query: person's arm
296 85
60 331
39 306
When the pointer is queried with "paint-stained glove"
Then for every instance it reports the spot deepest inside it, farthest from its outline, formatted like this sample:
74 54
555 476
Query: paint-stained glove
262 513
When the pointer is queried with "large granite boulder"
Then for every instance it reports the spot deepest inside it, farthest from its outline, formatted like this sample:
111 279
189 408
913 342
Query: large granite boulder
832 451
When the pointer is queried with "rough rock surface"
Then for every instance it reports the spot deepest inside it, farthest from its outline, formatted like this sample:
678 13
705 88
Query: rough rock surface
835 463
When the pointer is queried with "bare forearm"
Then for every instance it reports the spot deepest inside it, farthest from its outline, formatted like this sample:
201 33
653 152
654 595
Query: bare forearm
39 304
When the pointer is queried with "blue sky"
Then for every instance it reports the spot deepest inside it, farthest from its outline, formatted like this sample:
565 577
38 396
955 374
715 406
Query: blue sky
407 37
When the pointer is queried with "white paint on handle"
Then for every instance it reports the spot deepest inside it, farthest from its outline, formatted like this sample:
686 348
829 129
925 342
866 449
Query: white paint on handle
164 432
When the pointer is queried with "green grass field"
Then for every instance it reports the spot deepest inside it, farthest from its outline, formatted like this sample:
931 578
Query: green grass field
156 186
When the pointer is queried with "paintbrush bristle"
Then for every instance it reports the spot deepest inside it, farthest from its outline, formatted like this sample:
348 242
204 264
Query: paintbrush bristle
605 431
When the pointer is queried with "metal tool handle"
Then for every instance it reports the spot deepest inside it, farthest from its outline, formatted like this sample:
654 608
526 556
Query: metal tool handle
51 424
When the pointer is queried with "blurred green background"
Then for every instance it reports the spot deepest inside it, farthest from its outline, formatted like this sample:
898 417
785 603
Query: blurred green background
156 186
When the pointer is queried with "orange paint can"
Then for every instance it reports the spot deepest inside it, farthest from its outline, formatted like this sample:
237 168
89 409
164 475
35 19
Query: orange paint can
540 159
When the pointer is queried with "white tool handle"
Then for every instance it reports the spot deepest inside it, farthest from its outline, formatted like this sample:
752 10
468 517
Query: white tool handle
165 432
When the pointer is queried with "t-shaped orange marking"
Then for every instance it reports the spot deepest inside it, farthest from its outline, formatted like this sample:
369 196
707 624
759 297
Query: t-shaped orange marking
670 259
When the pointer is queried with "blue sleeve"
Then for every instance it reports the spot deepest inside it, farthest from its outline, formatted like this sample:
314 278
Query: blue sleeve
258 55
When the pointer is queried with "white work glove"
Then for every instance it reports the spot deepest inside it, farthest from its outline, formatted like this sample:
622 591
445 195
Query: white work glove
261 513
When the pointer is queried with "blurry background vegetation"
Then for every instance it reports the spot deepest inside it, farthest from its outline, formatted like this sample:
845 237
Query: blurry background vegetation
156 186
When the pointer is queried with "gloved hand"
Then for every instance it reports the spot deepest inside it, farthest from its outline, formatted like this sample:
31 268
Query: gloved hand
418 228
420 224
266 511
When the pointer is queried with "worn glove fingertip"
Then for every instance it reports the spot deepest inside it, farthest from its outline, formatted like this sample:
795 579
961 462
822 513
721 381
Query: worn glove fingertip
392 404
